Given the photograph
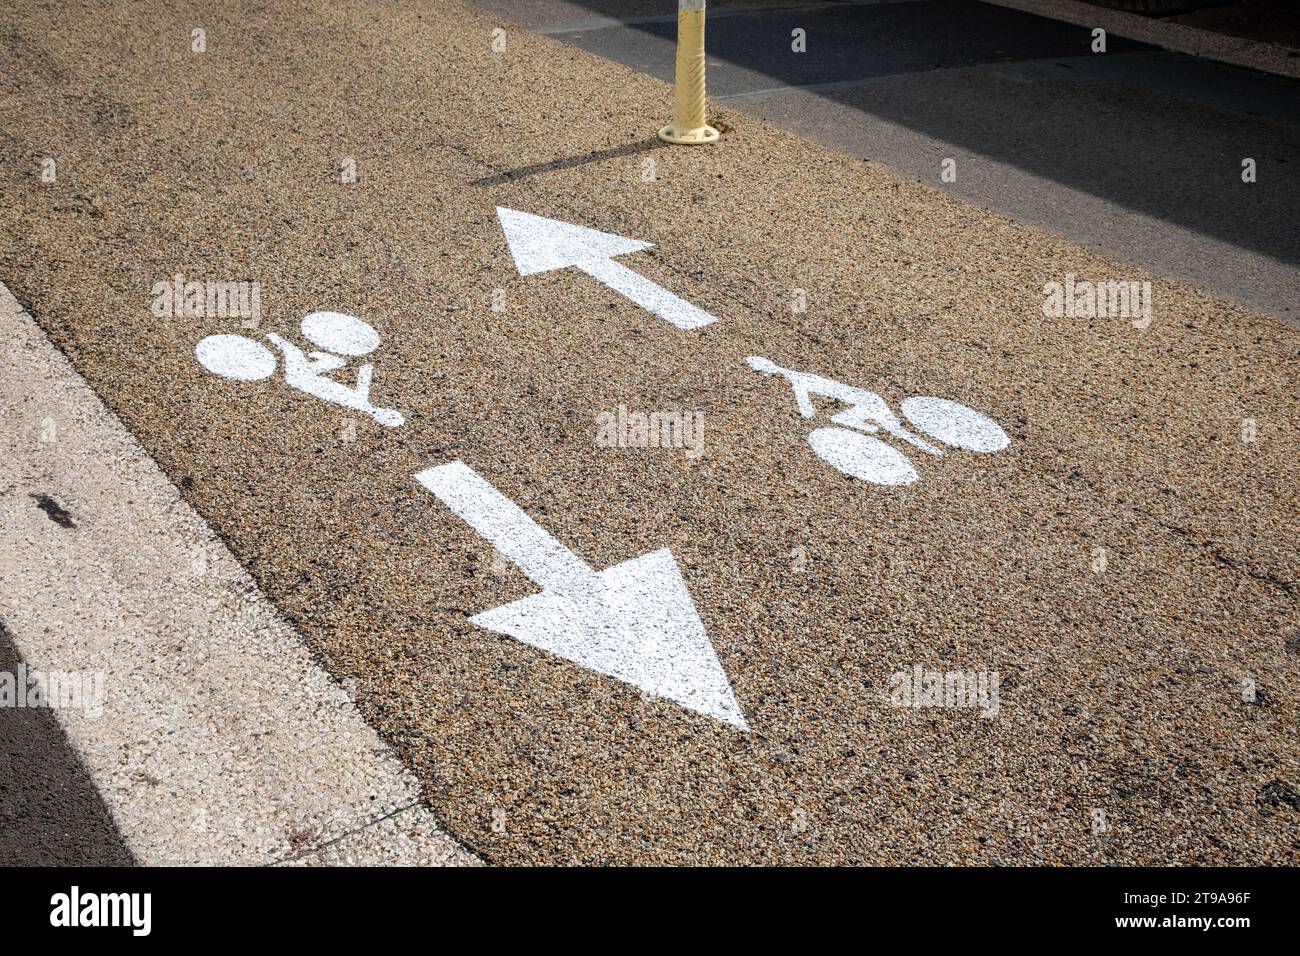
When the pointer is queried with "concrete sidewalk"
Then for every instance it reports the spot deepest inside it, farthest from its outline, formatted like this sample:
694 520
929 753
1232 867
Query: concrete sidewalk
1124 565
207 730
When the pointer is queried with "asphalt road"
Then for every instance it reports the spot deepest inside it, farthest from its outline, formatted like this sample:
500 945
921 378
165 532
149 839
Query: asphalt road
1143 712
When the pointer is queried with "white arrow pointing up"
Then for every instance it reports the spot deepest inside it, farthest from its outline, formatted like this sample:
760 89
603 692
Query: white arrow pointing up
634 622
541 245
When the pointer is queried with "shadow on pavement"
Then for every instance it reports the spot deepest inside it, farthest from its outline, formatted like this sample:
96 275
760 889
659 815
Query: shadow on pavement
569 162
1161 134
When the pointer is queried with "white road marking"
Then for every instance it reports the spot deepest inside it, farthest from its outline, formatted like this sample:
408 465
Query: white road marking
235 357
634 622
954 424
538 245
505 526
243 360
863 457
220 741
871 459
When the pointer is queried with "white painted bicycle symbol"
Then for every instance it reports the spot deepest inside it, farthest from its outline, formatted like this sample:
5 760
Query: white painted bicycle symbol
868 458
245 360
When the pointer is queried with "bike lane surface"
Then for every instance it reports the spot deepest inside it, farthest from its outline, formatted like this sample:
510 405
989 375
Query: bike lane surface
1122 690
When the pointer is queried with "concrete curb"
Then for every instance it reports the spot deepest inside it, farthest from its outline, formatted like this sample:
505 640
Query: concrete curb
216 740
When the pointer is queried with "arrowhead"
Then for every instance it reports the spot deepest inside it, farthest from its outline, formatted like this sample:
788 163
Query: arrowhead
540 245
643 630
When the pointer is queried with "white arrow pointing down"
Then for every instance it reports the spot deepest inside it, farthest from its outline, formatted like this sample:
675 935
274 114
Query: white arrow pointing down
634 622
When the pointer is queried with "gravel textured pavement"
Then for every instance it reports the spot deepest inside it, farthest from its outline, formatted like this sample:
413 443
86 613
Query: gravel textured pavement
1143 717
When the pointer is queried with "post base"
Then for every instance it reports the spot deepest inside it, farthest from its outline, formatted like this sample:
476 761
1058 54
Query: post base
688 137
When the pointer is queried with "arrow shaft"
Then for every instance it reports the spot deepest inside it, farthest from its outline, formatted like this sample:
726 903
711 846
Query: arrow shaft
506 527
649 295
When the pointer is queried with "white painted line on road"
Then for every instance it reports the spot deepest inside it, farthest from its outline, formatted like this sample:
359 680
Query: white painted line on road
634 622
218 740
505 526
538 245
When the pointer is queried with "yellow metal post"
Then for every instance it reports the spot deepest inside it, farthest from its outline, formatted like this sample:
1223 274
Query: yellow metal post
688 125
